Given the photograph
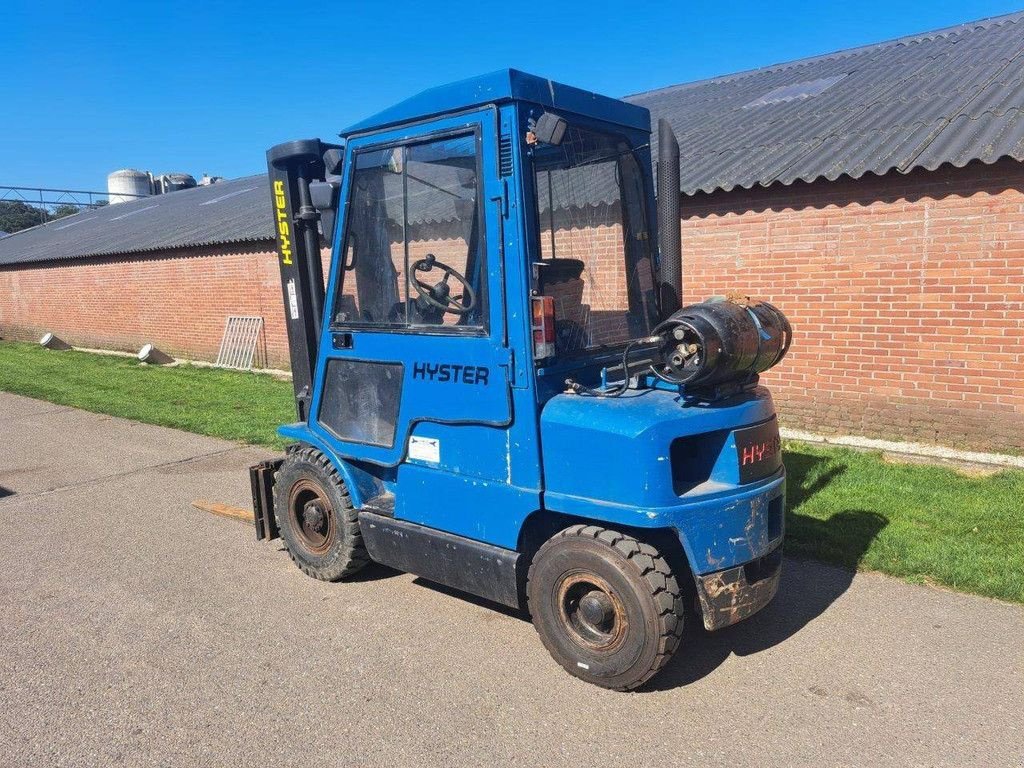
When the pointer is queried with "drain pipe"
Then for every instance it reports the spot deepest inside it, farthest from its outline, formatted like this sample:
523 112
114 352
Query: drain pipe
150 354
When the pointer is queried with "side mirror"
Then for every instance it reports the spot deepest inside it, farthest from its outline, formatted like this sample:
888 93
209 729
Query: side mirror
333 159
324 196
550 129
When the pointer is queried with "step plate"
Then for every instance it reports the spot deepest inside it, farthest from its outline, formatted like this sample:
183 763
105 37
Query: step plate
472 566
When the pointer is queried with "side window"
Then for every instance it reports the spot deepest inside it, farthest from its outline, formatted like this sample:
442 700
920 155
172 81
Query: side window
373 278
414 249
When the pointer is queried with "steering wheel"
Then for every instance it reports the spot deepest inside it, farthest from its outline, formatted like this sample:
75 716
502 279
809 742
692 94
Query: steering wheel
439 295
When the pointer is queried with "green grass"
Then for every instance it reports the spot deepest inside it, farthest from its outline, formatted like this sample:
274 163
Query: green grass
246 407
922 523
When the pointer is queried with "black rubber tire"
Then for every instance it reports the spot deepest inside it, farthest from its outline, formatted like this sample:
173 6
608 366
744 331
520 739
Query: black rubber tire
343 552
642 586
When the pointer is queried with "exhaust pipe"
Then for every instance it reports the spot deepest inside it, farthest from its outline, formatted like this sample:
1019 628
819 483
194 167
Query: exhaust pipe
670 249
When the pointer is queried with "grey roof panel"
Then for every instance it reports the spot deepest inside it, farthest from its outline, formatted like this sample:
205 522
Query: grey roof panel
988 140
227 212
949 96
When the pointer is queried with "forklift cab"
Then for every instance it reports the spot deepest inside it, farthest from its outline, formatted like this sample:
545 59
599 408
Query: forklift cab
457 228
493 263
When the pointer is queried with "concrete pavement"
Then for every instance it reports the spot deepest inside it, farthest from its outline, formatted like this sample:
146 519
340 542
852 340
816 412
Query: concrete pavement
137 630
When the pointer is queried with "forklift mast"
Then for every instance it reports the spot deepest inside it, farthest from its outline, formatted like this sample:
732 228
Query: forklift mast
298 171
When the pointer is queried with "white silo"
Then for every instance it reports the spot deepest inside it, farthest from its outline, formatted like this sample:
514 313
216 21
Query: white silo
128 184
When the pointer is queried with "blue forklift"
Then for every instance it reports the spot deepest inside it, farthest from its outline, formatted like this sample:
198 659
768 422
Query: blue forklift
496 386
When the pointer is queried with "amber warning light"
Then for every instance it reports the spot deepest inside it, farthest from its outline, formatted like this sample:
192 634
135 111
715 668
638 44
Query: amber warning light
543 327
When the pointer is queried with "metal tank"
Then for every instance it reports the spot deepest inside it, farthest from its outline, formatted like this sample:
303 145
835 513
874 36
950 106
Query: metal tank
128 184
723 339
172 182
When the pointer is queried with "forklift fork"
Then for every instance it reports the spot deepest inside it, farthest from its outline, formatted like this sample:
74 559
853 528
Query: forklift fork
261 477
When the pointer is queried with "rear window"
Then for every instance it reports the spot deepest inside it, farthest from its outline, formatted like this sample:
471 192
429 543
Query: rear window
595 250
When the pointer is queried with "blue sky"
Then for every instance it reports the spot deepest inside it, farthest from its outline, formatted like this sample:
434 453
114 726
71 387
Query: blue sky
89 87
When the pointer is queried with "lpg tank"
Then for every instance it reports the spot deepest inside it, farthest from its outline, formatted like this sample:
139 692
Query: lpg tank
723 339
172 182
128 184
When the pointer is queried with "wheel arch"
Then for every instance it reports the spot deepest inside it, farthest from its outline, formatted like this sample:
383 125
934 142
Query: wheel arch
360 484
541 525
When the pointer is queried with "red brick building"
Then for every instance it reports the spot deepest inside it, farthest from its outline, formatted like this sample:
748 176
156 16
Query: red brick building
906 294
167 270
871 194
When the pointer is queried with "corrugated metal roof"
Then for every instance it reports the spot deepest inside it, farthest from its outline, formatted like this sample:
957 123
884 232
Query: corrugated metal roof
228 212
949 96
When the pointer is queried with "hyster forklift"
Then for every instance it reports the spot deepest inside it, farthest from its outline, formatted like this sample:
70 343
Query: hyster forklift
496 386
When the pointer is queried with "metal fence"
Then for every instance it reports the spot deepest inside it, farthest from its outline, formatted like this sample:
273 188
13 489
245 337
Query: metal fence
239 344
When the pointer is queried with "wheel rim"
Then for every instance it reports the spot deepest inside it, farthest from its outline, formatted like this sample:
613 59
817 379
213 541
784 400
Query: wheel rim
312 517
591 613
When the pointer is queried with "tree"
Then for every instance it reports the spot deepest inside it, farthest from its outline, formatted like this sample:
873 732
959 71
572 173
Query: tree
16 215
65 209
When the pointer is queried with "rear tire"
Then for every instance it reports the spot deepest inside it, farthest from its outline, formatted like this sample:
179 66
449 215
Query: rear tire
607 606
315 516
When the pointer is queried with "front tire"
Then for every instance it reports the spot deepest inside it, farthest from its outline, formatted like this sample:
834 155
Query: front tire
315 516
606 606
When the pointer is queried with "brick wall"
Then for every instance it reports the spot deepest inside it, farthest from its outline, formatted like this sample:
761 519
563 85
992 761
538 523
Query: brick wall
906 294
177 300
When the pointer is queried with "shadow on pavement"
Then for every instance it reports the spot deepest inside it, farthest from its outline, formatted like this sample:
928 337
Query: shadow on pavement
370 572
806 590
373 572
5 492
807 587
483 602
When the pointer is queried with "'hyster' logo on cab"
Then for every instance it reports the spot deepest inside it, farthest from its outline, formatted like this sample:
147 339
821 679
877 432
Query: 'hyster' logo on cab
284 230
451 372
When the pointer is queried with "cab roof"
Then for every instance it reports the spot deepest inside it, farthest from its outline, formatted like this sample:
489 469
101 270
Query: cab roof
503 86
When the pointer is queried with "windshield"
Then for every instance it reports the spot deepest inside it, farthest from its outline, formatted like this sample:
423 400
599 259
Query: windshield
594 241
